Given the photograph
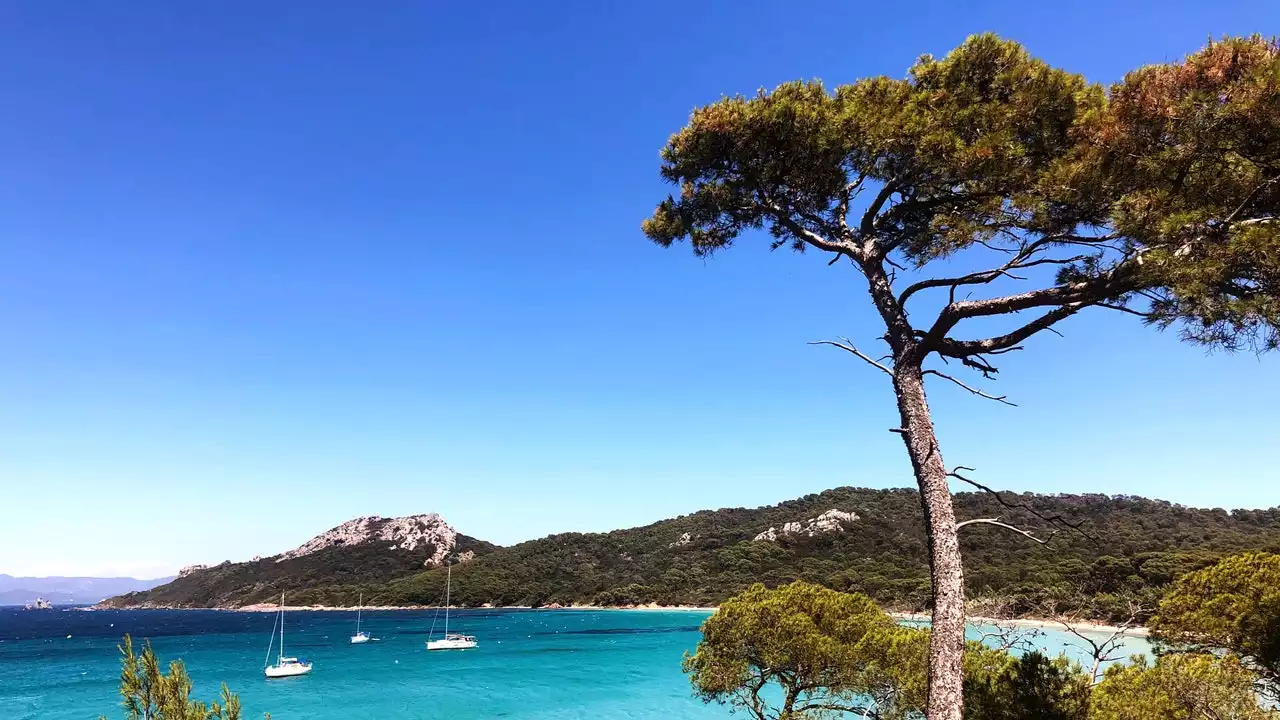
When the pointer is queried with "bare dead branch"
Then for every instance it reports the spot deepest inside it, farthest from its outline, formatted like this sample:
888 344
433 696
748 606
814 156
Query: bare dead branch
1107 649
996 522
975 391
849 348
1056 520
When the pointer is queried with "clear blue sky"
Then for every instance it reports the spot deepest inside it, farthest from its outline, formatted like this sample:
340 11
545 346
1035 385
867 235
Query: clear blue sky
265 267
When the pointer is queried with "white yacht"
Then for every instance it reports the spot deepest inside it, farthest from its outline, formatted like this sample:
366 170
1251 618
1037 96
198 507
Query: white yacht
285 666
450 641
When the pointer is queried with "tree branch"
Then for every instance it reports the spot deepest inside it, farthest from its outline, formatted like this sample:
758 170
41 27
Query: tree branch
967 348
846 196
862 711
803 233
975 391
1051 519
868 224
848 347
1107 649
996 521
1125 309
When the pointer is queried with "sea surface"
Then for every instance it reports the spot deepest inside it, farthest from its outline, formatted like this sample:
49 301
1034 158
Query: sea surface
531 664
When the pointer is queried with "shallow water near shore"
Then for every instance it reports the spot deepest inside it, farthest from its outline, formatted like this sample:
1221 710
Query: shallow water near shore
604 665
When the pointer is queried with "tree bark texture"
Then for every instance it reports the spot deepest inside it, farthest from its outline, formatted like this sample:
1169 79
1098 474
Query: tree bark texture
946 644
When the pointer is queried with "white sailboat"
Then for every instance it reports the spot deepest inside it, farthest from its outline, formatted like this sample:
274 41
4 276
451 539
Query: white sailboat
285 666
359 637
451 641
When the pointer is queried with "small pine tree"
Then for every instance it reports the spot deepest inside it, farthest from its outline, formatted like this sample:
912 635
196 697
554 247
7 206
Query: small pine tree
149 694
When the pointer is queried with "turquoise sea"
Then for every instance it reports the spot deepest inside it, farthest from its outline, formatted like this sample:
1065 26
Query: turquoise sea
564 664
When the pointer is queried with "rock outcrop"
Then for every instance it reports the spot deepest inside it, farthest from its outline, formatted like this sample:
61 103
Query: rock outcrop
830 521
404 533
684 539
190 569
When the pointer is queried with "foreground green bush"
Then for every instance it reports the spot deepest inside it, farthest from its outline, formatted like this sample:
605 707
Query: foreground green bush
150 694
803 651
1233 605
1178 687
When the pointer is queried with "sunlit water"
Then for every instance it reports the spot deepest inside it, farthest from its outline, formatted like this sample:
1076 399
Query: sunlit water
604 665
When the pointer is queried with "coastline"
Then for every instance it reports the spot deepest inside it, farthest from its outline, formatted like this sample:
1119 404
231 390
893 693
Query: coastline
273 607
1029 623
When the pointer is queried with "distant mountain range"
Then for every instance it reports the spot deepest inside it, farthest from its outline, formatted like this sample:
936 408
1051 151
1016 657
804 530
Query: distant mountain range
69 590
871 541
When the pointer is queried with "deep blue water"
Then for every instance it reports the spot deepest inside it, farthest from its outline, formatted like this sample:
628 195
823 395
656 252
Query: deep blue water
535 665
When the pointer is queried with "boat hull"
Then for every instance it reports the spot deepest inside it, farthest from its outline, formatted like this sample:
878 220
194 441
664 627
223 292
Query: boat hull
358 639
451 644
278 671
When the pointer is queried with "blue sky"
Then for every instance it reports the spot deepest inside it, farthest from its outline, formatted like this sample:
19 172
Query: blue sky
265 267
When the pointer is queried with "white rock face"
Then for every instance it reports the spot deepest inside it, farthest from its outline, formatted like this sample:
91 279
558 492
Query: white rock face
685 539
404 533
830 521
190 569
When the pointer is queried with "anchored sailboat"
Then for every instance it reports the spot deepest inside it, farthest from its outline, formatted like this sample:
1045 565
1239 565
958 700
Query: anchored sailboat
359 637
450 641
285 666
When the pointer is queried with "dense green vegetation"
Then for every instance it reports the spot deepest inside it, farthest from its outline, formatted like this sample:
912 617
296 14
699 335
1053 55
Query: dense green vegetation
801 652
235 584
1233 605
1127 548
1178 687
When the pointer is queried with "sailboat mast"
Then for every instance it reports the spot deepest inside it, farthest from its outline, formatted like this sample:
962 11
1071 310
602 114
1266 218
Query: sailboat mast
282 628
448 585
359 607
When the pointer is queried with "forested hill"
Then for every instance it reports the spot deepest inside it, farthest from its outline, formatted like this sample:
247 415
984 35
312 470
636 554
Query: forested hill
367 550
874 542
1125 546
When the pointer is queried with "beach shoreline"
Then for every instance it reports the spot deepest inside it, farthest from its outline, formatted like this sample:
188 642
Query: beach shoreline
275 607
1027 623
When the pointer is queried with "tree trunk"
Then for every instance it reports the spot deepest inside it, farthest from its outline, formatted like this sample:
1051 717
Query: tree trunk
946 645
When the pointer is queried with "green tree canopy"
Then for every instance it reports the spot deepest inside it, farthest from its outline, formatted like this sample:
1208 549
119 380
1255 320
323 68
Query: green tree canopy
1233 605
818 650
1030 687
1178 687
1159 197
1163 192
803 651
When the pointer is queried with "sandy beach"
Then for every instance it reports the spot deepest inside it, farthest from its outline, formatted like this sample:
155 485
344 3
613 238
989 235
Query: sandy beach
1031 623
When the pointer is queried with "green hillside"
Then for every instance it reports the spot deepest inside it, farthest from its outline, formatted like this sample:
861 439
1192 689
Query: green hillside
238 584
1126 547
